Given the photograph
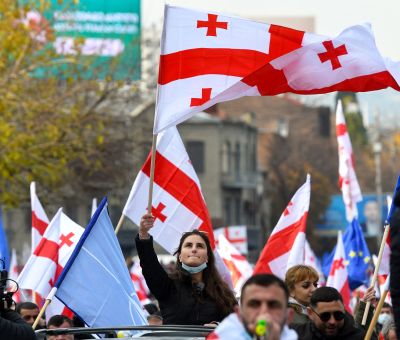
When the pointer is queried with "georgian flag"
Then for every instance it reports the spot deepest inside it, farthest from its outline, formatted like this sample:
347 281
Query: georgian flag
178 204
207 58
347 176
236 235
139 283
205 53
285 246
49 258
238 266
40 220
13 275
338 277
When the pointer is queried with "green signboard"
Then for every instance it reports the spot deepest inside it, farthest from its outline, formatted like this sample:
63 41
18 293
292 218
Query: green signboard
104 33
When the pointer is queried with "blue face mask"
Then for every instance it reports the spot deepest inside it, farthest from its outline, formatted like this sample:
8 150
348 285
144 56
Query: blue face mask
194 270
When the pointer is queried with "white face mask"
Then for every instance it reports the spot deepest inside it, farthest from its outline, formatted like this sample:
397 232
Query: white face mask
383 317
194 270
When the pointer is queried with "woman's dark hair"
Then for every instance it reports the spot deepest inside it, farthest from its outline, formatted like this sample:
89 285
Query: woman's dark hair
215 287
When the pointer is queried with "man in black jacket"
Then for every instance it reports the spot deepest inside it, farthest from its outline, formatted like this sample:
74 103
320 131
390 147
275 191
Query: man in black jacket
13 327
395 260
328 318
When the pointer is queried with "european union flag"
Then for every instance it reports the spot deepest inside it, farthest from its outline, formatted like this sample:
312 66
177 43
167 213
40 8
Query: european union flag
357 256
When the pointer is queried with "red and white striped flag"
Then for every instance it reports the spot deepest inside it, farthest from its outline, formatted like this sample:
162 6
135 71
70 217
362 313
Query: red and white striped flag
49 258
338 277
177 203
205 53
13 275
236 235
238 266
347 176
40 220
285 246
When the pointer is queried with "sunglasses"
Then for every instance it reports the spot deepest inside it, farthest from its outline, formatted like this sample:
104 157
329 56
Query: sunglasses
325 316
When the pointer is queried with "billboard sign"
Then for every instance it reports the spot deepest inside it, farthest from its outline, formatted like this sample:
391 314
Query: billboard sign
104 33
334 217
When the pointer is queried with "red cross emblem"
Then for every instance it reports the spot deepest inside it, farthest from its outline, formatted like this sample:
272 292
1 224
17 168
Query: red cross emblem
205 96
337 264
332 54
66 239
157 212
212 24
233 240
286 211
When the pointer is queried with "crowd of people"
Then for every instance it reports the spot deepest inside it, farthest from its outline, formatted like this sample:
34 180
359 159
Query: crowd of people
195 294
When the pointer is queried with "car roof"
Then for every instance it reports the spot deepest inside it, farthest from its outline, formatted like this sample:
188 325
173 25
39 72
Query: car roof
165 332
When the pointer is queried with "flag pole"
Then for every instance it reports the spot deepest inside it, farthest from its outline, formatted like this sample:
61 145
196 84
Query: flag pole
152 167
375 277
46 304
120 222
378 310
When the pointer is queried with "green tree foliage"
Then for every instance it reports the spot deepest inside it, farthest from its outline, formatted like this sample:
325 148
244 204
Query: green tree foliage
47 124
354 121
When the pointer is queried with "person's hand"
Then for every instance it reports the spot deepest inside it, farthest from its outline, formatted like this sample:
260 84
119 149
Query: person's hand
369 295
146 223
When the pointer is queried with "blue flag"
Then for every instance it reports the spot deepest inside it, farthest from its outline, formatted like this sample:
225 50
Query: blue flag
4 252
357 256
95 283
394 204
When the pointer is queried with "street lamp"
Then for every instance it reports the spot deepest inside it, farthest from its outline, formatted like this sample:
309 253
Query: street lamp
377 149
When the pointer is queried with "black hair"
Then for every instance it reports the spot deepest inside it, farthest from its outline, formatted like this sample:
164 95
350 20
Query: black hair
58 320
265 280
25 305
325 294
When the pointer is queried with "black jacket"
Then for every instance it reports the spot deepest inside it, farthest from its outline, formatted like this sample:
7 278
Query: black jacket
395 261
308 331
180 303
13 327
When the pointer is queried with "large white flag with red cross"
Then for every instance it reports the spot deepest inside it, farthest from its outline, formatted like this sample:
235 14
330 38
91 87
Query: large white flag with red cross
177 203
204 53
49 258
285 246
207 58
338 277
40 220
348 183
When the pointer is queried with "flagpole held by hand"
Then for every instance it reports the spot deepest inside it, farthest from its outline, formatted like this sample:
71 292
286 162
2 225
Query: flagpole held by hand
378 309
46 304
152 167
150 198
119 225
374 278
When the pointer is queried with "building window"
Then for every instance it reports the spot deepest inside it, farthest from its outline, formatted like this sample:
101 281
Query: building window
324 118
228 211
238 210
237 160
195 150
226 158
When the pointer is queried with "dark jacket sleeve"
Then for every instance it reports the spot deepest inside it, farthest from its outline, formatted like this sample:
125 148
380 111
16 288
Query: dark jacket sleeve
13 327
395 262
158 281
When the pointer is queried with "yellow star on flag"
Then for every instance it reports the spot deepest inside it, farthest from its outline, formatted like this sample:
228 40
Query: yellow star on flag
352 253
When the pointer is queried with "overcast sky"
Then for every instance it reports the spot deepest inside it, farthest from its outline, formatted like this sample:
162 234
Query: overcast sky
331 17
